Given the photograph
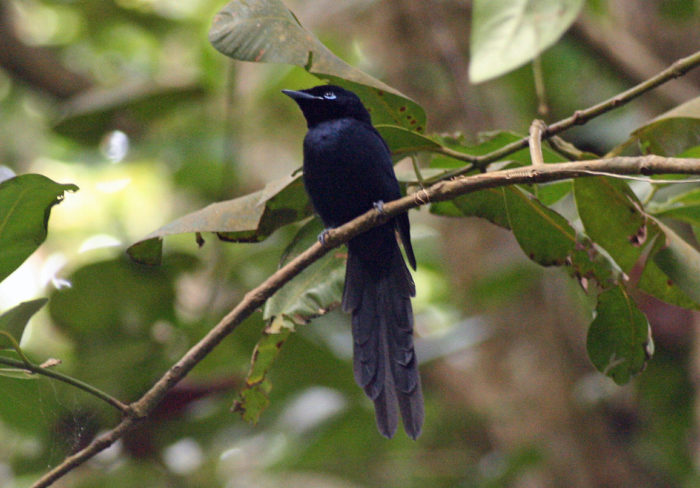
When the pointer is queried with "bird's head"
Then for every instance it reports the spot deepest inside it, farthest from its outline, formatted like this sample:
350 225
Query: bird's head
328 102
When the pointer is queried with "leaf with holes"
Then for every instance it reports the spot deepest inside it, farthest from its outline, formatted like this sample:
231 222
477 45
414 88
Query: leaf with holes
615 219
619 339
549 239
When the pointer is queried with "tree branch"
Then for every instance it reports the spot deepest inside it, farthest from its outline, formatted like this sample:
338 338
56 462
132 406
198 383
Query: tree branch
678 68
443 190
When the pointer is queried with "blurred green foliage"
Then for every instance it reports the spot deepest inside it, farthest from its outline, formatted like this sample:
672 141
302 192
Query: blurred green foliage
128 100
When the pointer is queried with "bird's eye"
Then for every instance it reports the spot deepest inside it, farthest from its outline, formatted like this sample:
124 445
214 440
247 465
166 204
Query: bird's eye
329 95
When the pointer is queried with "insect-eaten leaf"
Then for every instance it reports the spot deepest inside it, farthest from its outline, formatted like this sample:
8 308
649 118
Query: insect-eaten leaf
25 207
615 219
548 238
267 31
619 340
253 398
250 218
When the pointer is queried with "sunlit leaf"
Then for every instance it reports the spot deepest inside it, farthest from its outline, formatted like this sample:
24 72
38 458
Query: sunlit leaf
619 340
250 218
267 31
25 207
508 33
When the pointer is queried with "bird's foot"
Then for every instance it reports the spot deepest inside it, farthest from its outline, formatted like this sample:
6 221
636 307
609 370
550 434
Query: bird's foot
323 235
379 207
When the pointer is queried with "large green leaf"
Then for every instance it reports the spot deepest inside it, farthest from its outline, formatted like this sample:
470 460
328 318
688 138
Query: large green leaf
250 218
25 207
508 33
614 218
619 338
549 239
267 31
13 321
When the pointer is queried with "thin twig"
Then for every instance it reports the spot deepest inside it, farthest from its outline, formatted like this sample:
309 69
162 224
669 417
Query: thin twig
443 190
579 117
33 368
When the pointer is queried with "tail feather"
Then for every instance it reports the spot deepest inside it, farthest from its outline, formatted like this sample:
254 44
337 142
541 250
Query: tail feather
384 363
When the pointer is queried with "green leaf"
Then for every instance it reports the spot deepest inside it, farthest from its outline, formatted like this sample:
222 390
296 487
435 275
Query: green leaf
267 31
614 218
549 239
684 207
487 204
252 399
681 262
313 292
672 132
250 218
15 320
619 340
403 142
508 33
25 207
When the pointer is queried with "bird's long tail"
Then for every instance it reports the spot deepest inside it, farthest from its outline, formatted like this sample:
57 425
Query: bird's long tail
378 294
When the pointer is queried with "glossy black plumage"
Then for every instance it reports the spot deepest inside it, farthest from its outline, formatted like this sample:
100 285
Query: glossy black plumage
347 169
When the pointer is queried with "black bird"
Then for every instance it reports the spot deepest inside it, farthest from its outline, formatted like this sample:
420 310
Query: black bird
347 171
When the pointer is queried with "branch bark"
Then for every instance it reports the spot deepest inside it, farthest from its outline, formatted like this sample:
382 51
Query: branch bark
444 190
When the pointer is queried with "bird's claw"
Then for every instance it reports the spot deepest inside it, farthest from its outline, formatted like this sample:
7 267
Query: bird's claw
322 236
379 207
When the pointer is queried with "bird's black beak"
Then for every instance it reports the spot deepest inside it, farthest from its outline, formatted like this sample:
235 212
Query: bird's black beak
299 95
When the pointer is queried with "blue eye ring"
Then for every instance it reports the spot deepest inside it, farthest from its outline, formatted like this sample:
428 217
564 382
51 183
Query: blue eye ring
329 95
